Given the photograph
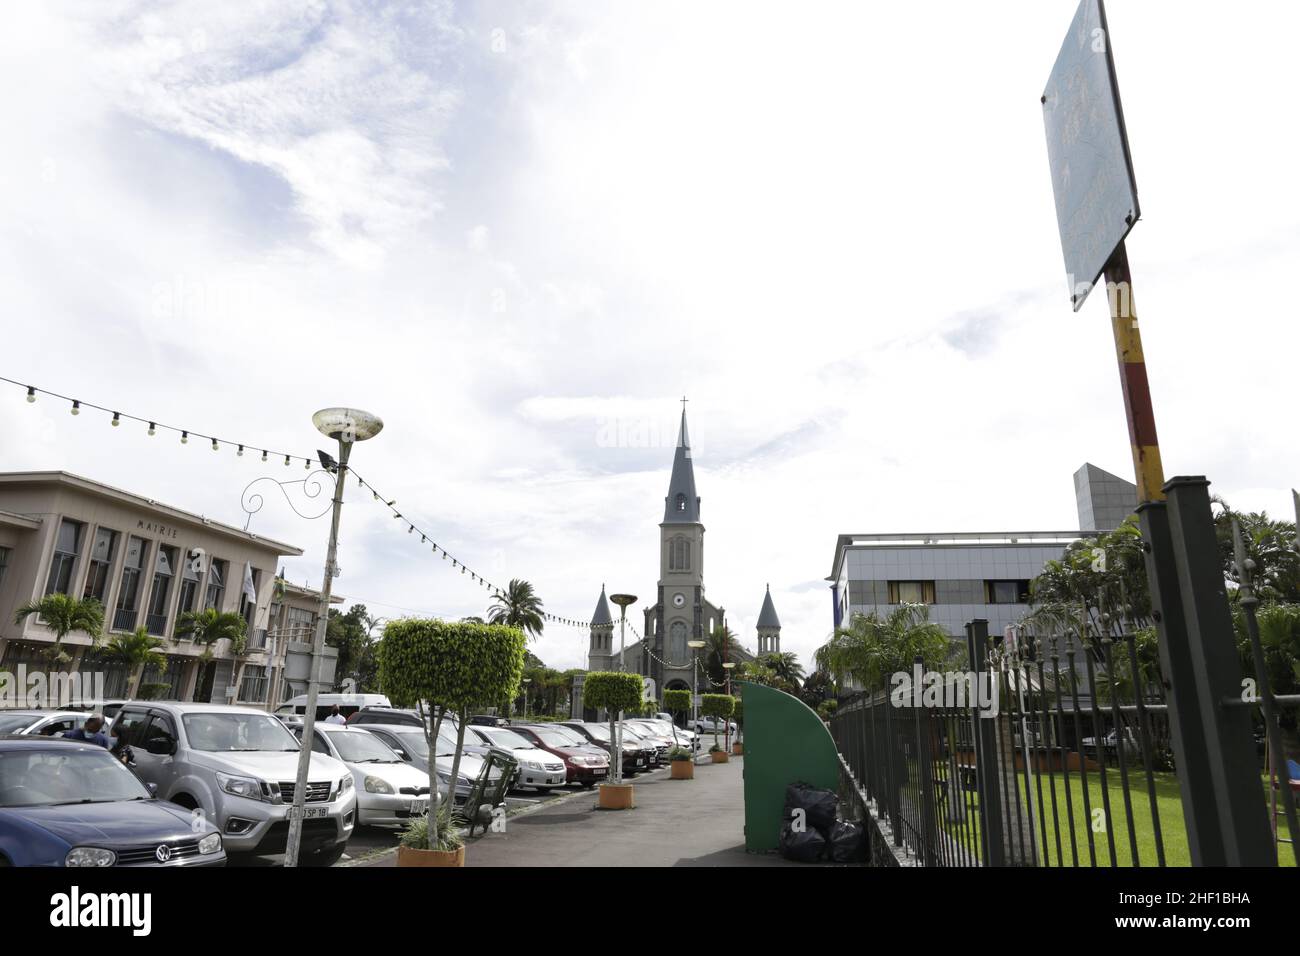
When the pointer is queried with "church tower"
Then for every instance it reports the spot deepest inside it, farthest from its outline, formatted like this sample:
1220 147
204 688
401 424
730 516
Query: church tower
602 636
681 611
769 626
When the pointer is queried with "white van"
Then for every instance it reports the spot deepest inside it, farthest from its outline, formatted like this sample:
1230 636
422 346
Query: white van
348 704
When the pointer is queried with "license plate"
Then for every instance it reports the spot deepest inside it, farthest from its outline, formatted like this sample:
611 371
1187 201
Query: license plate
599 773
418 807
315 813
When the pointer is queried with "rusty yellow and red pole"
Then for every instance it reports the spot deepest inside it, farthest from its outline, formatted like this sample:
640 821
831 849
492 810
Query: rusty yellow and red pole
1133 377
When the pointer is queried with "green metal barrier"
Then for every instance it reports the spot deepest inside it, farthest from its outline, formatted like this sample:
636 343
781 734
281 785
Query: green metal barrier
785 742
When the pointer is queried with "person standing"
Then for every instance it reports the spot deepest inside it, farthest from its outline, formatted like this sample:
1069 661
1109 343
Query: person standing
335 717
91 731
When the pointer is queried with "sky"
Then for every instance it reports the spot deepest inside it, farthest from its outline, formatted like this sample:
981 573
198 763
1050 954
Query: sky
521 232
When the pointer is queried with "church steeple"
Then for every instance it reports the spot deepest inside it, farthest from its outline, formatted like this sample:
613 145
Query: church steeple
769 626
682 506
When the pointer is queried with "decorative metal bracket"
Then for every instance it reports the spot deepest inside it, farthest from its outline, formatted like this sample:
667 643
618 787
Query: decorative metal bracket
312 486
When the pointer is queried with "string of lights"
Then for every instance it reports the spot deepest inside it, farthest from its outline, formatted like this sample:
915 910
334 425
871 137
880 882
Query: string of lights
77 405
695 662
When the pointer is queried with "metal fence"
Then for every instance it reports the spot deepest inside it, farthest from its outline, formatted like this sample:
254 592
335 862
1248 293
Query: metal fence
1066 760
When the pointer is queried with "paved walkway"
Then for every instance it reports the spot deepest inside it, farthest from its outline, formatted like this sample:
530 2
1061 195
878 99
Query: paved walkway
698 822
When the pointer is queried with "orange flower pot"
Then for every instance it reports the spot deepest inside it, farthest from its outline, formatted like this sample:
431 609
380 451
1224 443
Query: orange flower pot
615 796
407 856
720 756
737 749
682 770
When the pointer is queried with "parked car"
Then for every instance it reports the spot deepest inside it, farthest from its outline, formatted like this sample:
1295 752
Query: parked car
71 803
584 763
386 715
41 723
669 735
348 704
654 749
1111 741
537 768
389 790
411 745
489 720
703 725
239 765
635 757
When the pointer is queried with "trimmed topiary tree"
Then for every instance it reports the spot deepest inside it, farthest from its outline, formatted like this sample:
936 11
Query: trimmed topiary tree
719 707
441 666
738 715
613 691
677 701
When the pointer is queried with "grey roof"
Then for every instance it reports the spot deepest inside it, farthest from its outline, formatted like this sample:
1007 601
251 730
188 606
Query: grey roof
767 616
601 615
682 483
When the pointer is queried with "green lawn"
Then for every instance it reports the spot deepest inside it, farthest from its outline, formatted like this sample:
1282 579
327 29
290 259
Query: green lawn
1169 807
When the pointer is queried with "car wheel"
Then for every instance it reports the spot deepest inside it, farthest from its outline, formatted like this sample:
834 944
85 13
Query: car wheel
186 801
329 857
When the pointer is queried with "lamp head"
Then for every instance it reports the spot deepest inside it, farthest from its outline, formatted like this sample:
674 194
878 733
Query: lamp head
347 424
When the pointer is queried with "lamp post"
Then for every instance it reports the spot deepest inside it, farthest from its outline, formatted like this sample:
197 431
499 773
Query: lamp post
695 684
727 666
347 426
526 681
616 742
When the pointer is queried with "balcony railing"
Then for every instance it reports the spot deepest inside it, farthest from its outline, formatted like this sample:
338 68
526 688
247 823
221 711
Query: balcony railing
156 624
257 639
124 619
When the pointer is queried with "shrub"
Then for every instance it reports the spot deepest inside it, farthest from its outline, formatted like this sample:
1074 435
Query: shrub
440 666
416 835
677 701
679 753
613 691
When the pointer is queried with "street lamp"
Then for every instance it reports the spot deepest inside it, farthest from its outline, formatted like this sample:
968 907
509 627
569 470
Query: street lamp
616 744
695 683
347 426
727 666
526 681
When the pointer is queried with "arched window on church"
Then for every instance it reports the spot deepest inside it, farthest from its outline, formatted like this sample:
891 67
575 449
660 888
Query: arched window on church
681 503
679 554
677 650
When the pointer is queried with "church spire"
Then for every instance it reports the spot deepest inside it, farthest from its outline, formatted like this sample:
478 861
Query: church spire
682 506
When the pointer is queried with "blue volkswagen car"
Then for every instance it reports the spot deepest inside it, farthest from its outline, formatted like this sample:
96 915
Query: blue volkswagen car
71 803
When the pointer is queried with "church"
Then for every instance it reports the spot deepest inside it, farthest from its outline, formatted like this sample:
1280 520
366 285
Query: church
660 648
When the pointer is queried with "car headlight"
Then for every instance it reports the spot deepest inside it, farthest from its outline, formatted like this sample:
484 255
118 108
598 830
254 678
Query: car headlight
375 785
346 784
243 786
89 856
210 844
533 765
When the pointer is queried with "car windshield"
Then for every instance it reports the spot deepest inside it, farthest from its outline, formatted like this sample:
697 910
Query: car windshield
10 723
43 778
361 746
413 742
507 738
556 738
630 734
599 731
218 732
447 742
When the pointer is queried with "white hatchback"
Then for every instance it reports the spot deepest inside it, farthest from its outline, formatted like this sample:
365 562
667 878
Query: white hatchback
390 792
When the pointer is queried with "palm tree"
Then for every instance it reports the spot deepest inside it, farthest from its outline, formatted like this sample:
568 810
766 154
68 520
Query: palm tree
786 666
721 646
63 614
209 626
518 606
872 648
139 651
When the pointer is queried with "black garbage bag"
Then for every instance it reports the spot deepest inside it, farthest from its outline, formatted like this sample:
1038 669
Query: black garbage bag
802 845
818 805
846 842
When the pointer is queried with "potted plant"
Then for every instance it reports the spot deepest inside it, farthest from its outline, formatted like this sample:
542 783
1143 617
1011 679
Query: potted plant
681 765
440 667
415 848
719 707
738 714
677 702
614 692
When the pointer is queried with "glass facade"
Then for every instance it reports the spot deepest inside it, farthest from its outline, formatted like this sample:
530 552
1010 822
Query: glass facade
67 548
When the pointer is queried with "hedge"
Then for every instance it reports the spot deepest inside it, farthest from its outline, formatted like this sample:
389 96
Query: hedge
717 705
612 691
677 701
458 665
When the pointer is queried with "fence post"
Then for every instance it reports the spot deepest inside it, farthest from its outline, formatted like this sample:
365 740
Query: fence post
1231 778
983 731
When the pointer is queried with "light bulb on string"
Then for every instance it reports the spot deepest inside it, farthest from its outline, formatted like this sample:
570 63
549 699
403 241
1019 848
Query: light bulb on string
240 453
286 461
215 446
263 456
185 438
153 429
306 464
117 419
76 408
31 393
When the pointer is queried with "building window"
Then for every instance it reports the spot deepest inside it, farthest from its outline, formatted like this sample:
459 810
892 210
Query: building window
163 571
189 587
128 592
679 554
101 563
1006 592
4 563
67 547
678 653
216 584
300 624
247 608
253 687
911 592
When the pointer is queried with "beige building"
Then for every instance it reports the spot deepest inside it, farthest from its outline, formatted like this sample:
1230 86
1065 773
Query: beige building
147 563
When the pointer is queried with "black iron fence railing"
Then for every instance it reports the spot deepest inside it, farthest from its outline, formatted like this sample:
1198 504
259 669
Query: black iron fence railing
1071 764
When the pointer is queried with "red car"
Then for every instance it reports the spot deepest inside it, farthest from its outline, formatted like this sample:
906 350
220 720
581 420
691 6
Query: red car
584 763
